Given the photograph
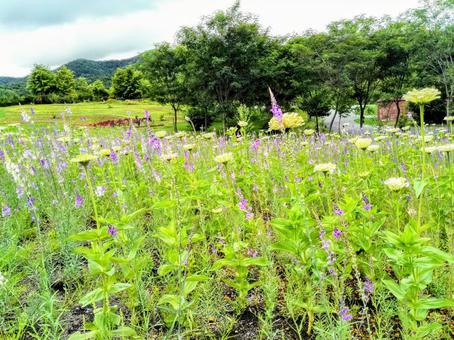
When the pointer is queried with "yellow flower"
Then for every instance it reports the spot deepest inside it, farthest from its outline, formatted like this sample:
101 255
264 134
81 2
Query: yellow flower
446 148
64 139
373 148
275 125
169 156
83 159
449 118
308 132
289 120
422 96
161 134
209 135
363 143
180 134
396 183
188 147
224 158
325 167
104 152
430 149
242 123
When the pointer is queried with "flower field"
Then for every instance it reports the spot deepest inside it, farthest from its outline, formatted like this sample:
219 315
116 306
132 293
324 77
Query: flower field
294 235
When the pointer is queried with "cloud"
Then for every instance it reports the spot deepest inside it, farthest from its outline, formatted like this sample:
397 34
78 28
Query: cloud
19 14
124 35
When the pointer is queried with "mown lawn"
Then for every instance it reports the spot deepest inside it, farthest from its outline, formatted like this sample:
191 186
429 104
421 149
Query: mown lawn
83 114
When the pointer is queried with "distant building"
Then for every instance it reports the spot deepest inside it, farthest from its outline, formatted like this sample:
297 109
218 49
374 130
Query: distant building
387 110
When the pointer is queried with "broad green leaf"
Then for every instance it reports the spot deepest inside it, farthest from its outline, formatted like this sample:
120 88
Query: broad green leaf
419 186
83 336
118 287
395 289
123 331
91 297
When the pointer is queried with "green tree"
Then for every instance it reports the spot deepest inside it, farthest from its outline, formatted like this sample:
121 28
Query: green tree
226 52
83 90
65 83
164 68
41 83
127 84
99 91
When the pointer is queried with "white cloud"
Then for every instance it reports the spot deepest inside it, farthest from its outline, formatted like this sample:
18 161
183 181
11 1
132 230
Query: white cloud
131 33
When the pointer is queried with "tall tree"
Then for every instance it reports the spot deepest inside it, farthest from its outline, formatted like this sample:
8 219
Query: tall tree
41 83
357 38
126 84
164 68
226 50
83 90
99 91
65 82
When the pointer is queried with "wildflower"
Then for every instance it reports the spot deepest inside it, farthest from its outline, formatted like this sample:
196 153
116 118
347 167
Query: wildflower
224 158
100 191
216 210
422 96
83 159
6 211
429 149
112 230
79 201
373 148
338 211
275 109
188 147
209 135
363 143
2 280
337 233
369 286
147 114
449 118
104 152
242 123
255 145
308 132
169 156
325 167
446 148
396 183
252 252
289 121
367 206
161 134
345 314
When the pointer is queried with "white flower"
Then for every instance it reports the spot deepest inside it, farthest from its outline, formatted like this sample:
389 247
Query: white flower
169 156
446 148
325 167
188 147
2 280
242 123
396 183
161 134
422 96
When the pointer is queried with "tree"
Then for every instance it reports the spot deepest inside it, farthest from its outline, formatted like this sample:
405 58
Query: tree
65 83
164 68
99 91
126 84
357 39
41 83
395 62
226 52
83 91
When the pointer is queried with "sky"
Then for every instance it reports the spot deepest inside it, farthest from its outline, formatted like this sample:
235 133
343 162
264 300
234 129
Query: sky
53 32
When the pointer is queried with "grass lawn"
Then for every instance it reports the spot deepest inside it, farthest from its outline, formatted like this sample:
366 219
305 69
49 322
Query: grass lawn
83 114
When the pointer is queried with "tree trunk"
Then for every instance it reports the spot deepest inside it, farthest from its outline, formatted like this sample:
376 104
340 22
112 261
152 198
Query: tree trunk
175 111
361 115
398 113
332 121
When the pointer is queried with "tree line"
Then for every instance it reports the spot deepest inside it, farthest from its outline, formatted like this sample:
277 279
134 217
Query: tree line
229 60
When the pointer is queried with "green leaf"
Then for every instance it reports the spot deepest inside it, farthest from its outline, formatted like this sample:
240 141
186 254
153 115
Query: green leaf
171 299
435 303
83 336
91 297
197 278
419 186
118 287
123 331
166 269
89 235
395 289
437 253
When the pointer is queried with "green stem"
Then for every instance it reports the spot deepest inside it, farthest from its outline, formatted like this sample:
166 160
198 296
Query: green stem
92 196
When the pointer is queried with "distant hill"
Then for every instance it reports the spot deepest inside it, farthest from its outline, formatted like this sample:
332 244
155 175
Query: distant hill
90 69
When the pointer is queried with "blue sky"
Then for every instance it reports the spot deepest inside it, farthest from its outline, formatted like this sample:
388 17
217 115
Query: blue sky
53 32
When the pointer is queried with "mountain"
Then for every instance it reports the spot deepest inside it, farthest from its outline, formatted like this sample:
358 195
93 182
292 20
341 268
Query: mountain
93 70
90 69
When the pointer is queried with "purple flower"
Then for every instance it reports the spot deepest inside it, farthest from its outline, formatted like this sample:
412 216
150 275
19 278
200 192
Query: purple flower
30 202
345 314
243 204
79 201
112 230
326 244
255 145
338 211
113 157
6 211
147 115
275 109
369 286
19 192
252 252
337 233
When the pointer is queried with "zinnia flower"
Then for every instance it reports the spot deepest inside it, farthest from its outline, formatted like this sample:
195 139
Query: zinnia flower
422 96
325 167
396 183
363 143
224 158
83 159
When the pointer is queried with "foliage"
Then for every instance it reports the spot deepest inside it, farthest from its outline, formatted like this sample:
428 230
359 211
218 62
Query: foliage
126 84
